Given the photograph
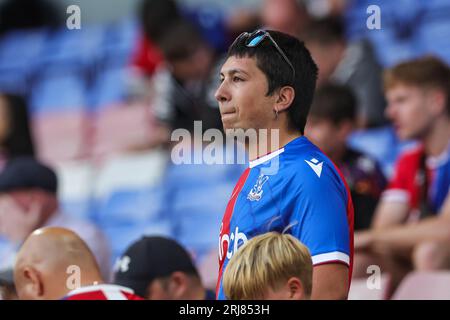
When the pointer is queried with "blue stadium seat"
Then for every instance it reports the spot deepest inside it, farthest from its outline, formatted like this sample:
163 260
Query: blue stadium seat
77 48
119 42
409 28
433 32
380 143
109 87
128 198
19 51
58 90
197 196
121 236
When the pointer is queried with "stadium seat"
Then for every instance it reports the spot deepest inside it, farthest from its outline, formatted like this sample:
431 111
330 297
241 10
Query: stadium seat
359 289
197 196
19 51
121 127
123 235
380 143
75 187
63 91
208 268
109 88
119 42
61 137
128 198
424 286
80 48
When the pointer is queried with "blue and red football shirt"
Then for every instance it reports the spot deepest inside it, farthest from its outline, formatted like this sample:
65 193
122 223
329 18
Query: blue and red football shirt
296 189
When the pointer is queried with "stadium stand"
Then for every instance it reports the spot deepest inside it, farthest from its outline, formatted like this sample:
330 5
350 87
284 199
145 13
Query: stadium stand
422 285
86 125
360 290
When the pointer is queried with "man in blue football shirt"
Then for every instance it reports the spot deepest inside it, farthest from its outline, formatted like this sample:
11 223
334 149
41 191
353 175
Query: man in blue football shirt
267 83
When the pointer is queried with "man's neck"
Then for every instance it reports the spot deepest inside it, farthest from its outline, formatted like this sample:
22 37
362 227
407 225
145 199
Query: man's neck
338 154
275 140
436 141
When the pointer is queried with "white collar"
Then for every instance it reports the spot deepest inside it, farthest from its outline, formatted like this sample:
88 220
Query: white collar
267 157
102 287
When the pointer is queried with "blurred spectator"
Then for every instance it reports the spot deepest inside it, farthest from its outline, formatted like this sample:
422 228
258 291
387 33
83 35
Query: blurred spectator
411 225
288 16
7 288
331 120
55 263
184 90
28 201
28 14
352 64
158 268
158 16
271 266
15 136
155 16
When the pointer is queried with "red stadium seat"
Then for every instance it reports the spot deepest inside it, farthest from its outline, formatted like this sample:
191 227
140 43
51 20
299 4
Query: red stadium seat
424 286
62 136
359 289
121 128
209 270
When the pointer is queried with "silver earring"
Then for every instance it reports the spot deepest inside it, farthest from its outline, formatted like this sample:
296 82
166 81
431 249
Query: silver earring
276 114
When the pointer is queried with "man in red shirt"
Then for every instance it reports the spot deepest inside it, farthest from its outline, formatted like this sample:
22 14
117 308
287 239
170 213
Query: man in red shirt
54 263
411 227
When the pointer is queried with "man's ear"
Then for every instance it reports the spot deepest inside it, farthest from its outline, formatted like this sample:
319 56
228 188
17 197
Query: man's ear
33 287
296 291
178 285
345 128
437 101
285 96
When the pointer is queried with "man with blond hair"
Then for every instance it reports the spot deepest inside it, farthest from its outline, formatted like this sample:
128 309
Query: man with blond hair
411 229
271 266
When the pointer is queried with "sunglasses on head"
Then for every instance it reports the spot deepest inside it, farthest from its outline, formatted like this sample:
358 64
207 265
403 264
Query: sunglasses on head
258 36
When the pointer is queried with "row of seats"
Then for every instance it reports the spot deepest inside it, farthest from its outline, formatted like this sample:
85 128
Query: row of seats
132 194
409 28
417 285
68 69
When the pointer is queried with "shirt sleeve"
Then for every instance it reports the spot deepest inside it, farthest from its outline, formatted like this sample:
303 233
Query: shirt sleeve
320 218
397 189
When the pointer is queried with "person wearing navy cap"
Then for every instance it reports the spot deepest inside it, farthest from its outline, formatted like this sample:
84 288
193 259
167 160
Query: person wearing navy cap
159 268
28 201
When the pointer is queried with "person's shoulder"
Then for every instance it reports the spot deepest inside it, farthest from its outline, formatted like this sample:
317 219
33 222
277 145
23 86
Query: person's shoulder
309 165
410 156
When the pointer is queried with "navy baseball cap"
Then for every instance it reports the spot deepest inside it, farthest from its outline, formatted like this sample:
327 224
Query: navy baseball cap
6 277
27 173
150 258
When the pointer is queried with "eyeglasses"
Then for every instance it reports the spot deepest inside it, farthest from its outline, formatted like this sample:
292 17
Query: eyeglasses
256 37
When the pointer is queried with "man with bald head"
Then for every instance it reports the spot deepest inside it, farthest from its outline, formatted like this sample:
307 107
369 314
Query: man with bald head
55 263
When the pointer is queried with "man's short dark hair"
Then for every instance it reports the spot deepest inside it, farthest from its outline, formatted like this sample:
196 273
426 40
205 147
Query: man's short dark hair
180 41
279 73
324 31
156 16
334 103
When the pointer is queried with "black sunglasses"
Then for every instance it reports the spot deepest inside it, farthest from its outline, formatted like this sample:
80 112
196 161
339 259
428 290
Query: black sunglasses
256 37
